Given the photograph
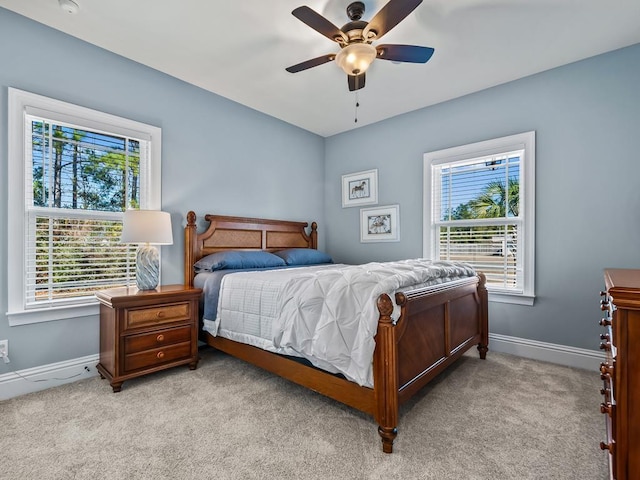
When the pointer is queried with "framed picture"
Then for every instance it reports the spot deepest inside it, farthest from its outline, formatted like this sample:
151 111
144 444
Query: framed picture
380 224
360 188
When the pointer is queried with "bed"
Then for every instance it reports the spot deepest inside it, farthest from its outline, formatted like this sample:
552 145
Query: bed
420 331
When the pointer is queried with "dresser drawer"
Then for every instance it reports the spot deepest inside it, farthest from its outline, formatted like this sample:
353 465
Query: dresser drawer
157 356
158 315
147 341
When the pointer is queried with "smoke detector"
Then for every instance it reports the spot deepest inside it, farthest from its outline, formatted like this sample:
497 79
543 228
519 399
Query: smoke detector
69 6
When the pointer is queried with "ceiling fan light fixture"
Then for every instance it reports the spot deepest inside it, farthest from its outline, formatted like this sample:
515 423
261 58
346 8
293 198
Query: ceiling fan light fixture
355 58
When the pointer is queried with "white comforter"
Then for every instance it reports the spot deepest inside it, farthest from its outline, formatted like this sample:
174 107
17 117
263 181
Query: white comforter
326 314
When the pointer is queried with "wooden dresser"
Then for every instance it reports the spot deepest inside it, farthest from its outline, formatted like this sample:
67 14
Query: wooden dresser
143 331
620 372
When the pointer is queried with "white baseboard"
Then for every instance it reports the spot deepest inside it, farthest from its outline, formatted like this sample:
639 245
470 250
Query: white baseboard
54 374
547 352
18 383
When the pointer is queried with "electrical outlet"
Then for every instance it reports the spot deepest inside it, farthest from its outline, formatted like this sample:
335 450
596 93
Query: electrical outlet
4 348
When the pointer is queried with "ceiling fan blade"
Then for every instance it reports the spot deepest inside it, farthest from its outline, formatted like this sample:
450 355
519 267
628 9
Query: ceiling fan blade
320 24
356 82
314 62
404 53
389 16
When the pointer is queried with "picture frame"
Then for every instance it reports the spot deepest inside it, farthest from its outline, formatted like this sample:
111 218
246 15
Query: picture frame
380 224
360 188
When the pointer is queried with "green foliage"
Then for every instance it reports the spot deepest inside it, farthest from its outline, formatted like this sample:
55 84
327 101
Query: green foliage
496 201
84 173
80 170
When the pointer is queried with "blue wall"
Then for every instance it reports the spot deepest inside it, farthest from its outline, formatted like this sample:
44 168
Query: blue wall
217 157
587 118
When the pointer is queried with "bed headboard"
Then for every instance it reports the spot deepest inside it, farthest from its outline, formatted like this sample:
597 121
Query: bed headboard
242 233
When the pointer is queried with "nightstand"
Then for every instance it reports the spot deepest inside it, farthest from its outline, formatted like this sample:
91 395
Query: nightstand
144 331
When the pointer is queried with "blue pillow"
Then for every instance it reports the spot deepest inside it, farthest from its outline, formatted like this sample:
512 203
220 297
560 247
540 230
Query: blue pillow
303 256
238 259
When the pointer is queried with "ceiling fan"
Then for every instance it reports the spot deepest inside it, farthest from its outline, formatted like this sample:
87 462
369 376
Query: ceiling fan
355 38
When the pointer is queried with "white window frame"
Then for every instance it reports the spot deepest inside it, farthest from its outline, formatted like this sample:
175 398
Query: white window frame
20 104
523 141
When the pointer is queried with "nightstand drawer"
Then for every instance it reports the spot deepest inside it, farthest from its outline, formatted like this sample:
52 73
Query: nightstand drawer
157 356
157 315
146 341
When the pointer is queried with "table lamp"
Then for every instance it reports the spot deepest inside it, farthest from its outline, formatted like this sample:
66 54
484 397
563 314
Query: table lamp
147 227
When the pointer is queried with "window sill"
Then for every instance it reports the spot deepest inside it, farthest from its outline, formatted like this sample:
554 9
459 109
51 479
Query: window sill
515 299
26 317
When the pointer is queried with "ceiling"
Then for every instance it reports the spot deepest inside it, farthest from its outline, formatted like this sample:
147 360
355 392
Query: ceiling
239 49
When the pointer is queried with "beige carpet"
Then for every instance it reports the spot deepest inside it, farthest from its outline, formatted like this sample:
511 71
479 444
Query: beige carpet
503 418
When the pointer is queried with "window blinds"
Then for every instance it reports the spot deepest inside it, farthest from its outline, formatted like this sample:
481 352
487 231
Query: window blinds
476 205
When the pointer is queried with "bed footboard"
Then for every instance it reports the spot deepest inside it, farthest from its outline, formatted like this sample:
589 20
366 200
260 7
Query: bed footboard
436 326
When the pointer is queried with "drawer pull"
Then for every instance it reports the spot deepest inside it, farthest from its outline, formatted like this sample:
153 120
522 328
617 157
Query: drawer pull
605 346
160 338
605 408
605 322
606 370
606 446
160 314
160 355
605 336
605 391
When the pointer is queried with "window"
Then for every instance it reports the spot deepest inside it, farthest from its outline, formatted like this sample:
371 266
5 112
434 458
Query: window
72 173
479 203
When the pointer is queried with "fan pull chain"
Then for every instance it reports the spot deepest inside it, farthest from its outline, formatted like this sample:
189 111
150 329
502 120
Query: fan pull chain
356 109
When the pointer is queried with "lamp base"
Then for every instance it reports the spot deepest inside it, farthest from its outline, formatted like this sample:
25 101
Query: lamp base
147 267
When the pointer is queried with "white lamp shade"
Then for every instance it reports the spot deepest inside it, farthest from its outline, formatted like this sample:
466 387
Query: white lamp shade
147 226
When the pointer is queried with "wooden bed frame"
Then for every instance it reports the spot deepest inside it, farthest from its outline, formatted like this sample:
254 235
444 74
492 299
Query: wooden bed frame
436 325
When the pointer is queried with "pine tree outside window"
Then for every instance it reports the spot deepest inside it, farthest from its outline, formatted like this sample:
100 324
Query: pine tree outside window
73 172
479 209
